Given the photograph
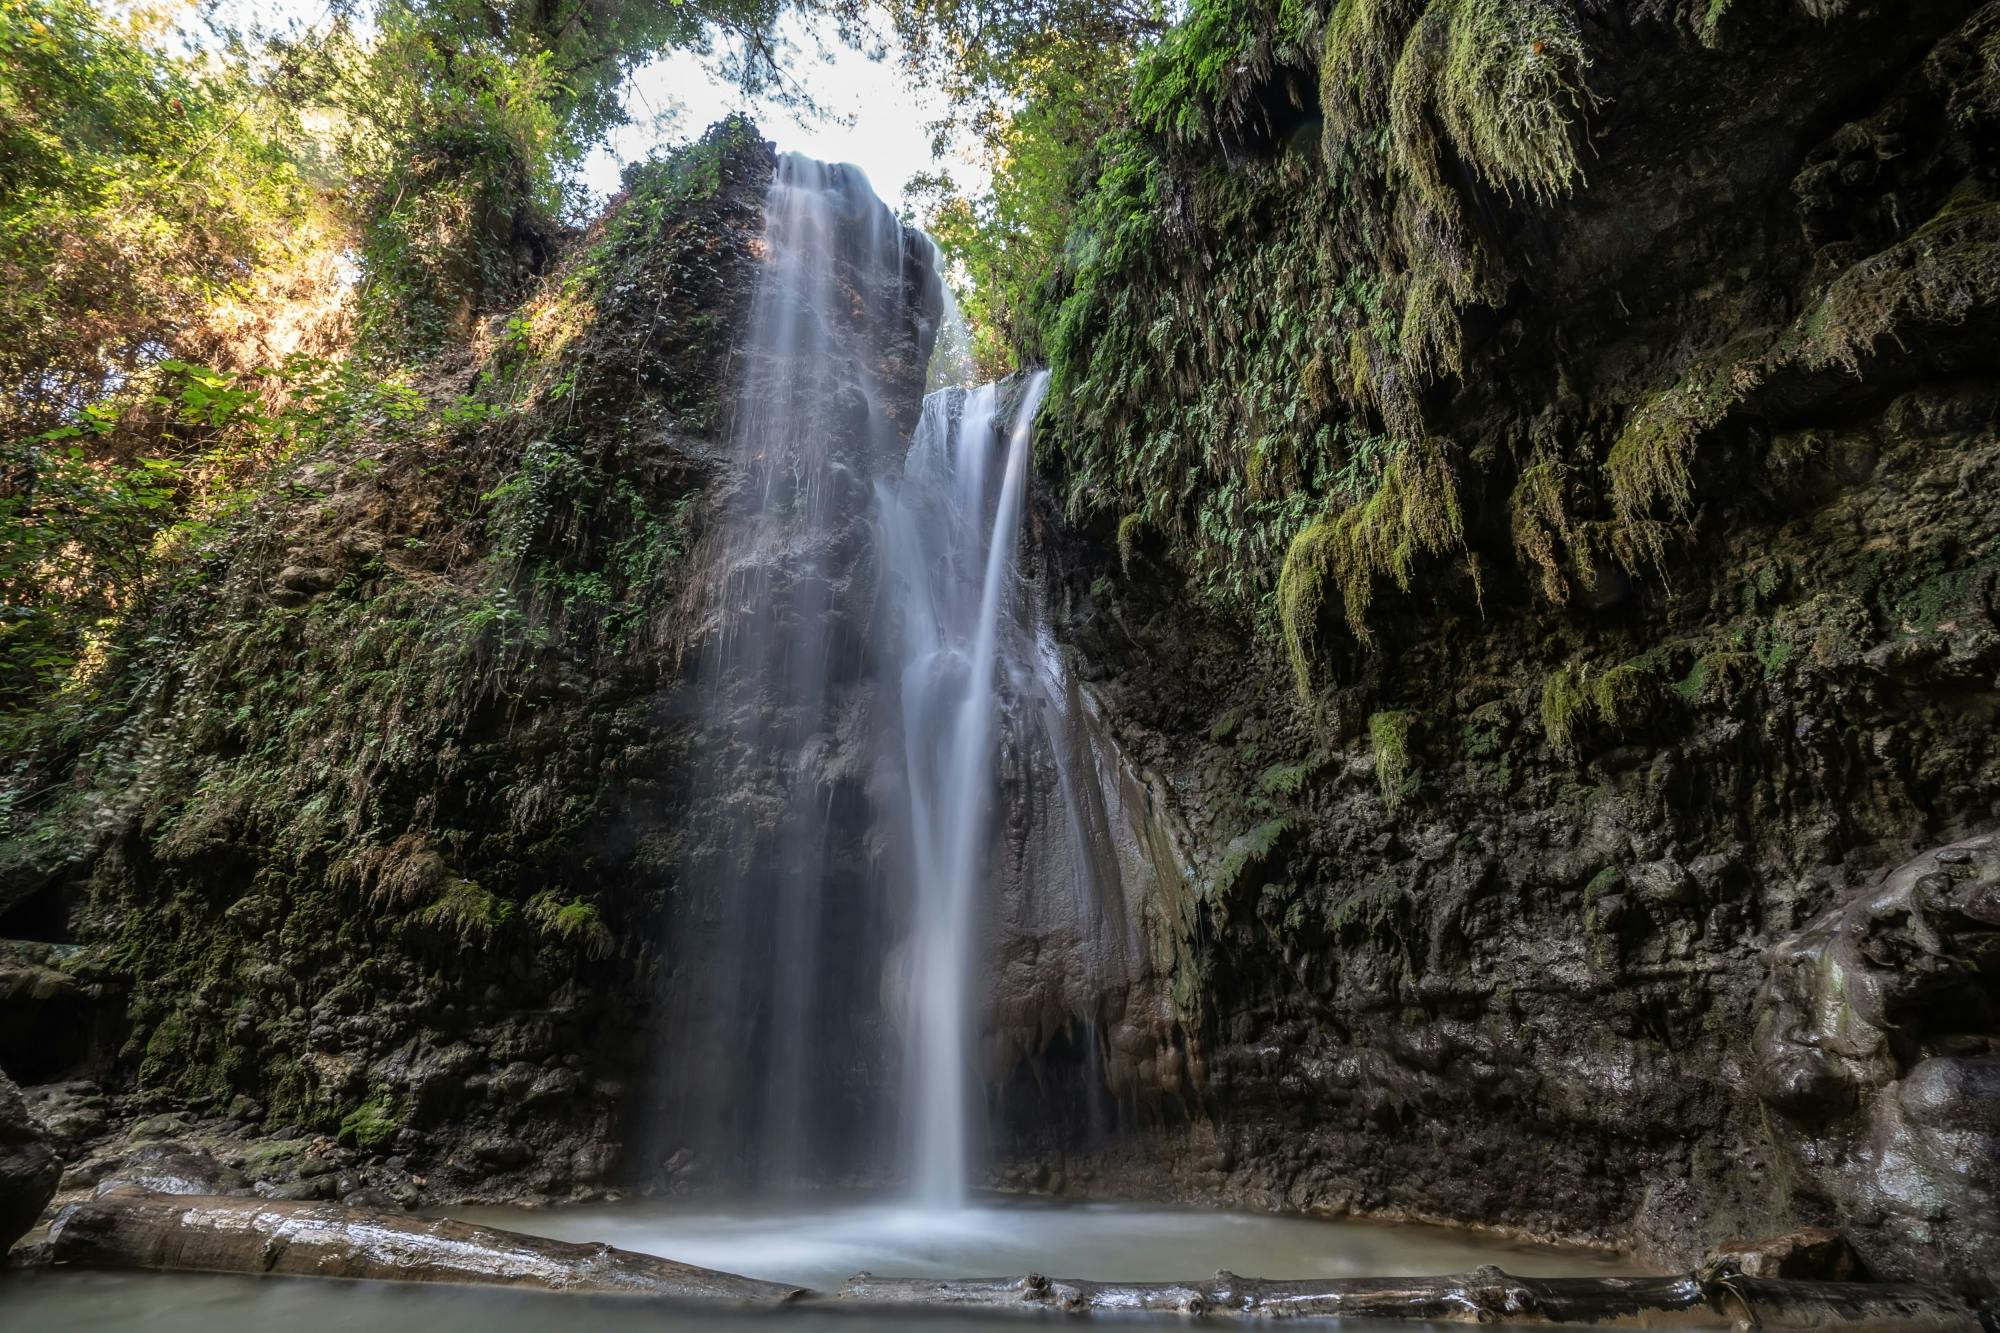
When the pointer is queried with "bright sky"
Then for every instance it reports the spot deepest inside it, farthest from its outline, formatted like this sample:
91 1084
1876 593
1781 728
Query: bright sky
877 121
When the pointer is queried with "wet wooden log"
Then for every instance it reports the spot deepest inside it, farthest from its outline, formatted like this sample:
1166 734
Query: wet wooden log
134 1229
1486 1295
193 1233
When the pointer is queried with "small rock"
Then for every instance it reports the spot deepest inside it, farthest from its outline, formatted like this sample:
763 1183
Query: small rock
502 1152
308 579
370 1198
298 1191
1812 1253
163 1126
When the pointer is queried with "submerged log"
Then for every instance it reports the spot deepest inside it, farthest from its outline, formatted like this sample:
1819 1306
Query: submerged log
132 1229
1483 1296
193 1233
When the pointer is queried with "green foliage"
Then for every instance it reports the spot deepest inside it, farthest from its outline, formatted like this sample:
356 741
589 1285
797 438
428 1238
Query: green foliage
99 516
467 911
461 124
151 206
1239 347
575 923
1246 854
1621 696
1131 529
1202 75
1547 535
1289 780
1718 677
1933 278
1389 733
1413 512
1649 463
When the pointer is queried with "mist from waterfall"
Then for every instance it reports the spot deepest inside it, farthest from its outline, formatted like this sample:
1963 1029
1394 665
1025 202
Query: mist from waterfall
950 534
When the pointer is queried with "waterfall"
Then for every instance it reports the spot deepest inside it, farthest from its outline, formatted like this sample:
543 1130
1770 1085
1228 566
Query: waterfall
868 660
780 1007
950 533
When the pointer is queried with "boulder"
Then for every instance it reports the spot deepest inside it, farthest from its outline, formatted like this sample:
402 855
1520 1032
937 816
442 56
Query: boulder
28 1169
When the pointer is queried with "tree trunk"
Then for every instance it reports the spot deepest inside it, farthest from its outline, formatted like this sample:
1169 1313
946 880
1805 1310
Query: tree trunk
1486 1295
132 1229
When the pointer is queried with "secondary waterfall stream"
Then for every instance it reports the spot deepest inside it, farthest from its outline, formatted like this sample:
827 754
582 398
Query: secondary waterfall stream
950 533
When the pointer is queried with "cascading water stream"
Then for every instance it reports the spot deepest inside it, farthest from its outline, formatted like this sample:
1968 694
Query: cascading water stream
950 537
857 694
785 1007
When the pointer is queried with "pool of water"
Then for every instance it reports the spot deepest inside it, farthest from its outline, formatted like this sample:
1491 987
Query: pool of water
818 1244
821 1245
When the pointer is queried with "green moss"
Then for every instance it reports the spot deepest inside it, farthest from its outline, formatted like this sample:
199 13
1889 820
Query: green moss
1952 267
1503 78
1621 697
1131 529
265 1155
1650 462
371 1126
1389 733
1607 881
186 1056
1709 26
1546 535
1414 512
1302 598
1565 707
1717 677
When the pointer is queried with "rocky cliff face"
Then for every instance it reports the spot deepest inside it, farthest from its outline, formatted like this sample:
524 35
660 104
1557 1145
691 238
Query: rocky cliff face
362 847
1672 631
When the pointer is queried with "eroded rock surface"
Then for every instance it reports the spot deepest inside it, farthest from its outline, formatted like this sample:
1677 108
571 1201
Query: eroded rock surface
29 1170
1878 1054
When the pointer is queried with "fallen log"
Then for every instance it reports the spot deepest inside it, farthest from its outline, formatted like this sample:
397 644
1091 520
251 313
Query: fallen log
1484 1296
194 1233
133 1229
